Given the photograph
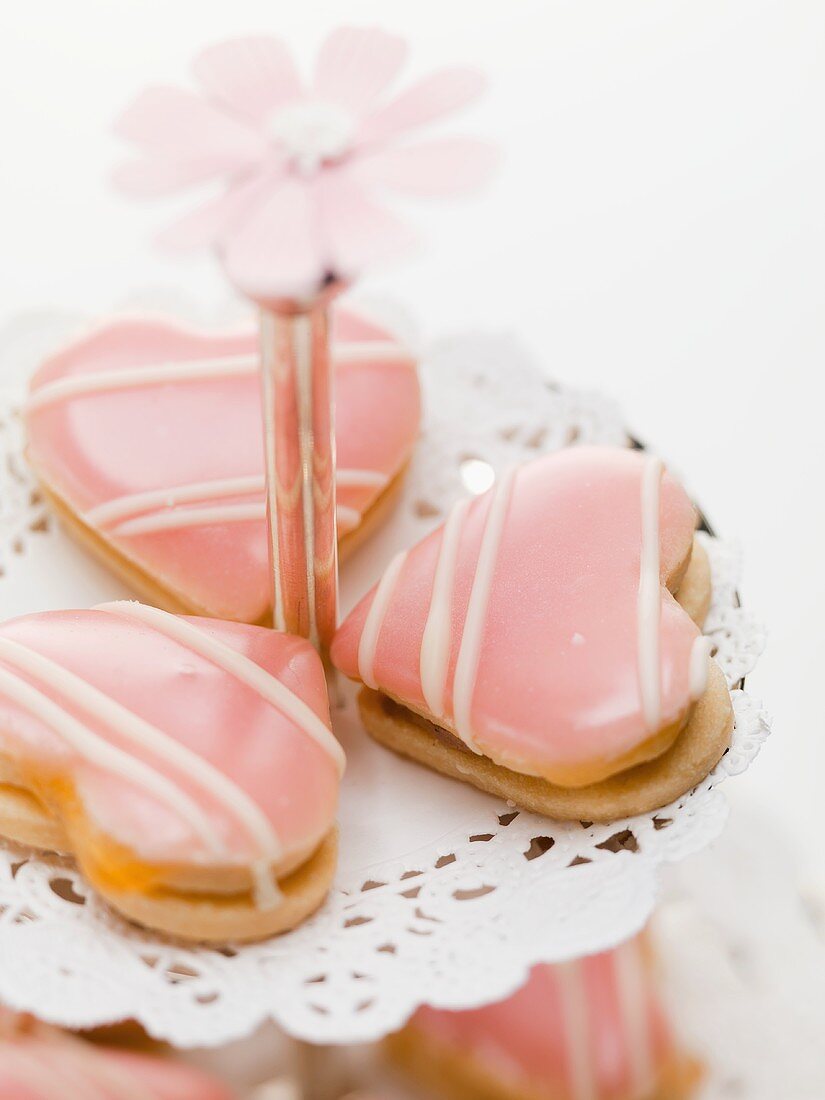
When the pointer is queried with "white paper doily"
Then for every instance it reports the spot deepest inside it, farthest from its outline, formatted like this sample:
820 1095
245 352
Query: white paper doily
443 894
746 996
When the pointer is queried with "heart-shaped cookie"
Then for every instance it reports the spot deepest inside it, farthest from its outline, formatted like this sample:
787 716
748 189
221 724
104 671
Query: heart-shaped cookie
594 1028
187 764
148 440
533 646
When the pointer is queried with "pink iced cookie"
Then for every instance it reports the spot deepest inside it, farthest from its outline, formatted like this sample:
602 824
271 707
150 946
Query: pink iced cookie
62 1068
537 630
188 764
589 1030
148 437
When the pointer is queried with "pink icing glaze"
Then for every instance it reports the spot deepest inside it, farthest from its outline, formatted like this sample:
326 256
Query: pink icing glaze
530 1038
286 773
62 1068
100 447
557 682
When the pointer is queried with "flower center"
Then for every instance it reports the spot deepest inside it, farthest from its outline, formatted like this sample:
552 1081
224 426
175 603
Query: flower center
312 133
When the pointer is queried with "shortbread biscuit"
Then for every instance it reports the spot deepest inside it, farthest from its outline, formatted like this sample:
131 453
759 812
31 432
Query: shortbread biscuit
187 765
595 1027
544 644
147 441
179 602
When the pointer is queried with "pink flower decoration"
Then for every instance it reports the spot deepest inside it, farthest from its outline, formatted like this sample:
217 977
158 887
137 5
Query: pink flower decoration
301 164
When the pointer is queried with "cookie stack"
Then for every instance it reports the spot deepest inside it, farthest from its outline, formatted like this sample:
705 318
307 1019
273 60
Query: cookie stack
543 643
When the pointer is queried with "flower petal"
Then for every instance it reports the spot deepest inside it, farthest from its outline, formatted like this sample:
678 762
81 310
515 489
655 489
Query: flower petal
357 231
212 222
356 64
277 251
149 178
182 128
450 166
437 95
250 76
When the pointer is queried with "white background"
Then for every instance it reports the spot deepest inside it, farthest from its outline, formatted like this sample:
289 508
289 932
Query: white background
656 230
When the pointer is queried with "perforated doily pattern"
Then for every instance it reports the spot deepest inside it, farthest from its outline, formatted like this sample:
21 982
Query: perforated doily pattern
443 894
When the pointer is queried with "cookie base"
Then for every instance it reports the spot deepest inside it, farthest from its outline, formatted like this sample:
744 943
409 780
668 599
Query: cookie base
695 589
234 918
637 790
458 1075
196 917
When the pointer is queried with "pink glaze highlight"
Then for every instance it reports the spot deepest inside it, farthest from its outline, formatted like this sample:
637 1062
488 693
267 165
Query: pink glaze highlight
557 681
577 1012
100 447
62 1068
288 775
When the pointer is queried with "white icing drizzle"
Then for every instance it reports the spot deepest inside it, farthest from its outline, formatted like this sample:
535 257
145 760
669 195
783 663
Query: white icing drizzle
131 727
435 643
650 598
265 888
368 643
180 518
95 382
135 504
631 991
580 1061
348 518
199 370
372 351
699 667
243 668
472 637
289 1088
360 479
98 752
